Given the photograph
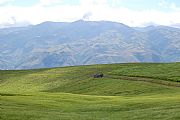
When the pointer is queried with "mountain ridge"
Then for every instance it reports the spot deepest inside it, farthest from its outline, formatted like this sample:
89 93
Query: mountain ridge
54 44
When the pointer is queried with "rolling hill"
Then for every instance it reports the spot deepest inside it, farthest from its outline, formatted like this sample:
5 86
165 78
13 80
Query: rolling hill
130 91
54 44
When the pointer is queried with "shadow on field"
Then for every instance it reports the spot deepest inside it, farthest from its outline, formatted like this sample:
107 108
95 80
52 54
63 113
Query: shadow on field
7 94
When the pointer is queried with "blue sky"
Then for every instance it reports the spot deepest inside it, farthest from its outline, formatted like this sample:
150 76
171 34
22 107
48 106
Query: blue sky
130 12
131 4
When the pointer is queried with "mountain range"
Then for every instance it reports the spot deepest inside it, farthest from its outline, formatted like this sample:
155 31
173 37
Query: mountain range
54 44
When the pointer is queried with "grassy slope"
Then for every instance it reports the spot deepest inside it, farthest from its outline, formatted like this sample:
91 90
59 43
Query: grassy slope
71 92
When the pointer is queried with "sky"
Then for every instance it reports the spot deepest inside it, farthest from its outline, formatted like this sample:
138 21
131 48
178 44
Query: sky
130 12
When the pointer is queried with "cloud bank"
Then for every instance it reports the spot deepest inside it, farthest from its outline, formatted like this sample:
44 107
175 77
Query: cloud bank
93 10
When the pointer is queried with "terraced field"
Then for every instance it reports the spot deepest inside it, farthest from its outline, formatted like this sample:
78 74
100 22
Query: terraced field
132 91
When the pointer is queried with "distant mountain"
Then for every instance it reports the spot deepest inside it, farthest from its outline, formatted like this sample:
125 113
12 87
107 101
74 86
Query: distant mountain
54 44
177 25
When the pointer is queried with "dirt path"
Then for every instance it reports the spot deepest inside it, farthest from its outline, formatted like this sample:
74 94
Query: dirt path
150 80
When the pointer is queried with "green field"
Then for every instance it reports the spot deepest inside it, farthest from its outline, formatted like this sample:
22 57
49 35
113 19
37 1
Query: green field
134 91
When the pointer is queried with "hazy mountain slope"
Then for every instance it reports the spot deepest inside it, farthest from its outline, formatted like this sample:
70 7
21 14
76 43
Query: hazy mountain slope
53 44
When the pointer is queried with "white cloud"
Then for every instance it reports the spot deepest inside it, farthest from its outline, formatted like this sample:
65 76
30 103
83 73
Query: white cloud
49 2
174 7
115 3
5 1
163 3
98 11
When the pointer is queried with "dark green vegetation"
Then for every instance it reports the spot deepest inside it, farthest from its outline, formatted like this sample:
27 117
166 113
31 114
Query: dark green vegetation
128 91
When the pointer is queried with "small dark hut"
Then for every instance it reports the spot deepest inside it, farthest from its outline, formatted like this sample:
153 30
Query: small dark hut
99 75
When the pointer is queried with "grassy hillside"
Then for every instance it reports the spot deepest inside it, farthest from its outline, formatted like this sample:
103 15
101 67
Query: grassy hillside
128 91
